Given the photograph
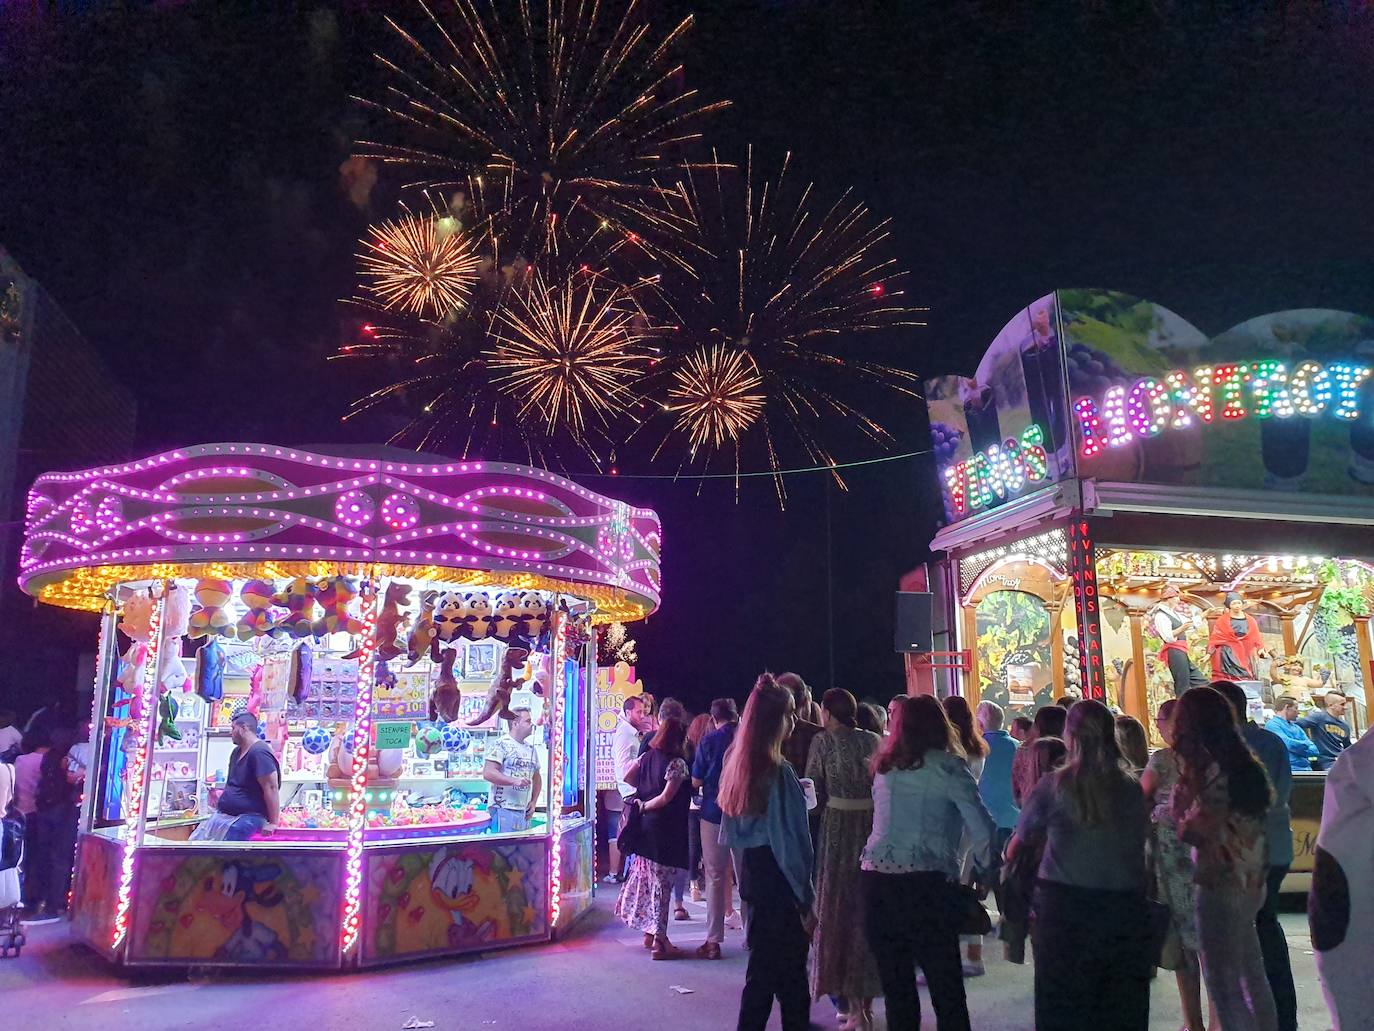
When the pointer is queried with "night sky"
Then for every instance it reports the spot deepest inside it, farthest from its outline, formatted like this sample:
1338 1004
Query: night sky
171 173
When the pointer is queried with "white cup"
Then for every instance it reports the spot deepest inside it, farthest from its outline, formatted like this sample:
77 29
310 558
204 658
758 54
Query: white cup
809 790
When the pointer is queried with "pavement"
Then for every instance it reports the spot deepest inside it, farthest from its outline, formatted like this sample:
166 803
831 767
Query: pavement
599 976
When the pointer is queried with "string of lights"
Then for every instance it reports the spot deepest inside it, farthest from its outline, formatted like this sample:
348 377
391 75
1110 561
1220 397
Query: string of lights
761 472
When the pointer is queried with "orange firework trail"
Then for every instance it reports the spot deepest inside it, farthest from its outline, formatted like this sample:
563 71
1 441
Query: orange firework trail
422 264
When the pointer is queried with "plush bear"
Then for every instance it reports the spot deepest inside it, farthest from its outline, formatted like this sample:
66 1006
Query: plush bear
532 615
498 695
176 618
261 617
334 596
299 601
211 619
176 613
136 623
477 618
445 698
450 614
424 636
505 618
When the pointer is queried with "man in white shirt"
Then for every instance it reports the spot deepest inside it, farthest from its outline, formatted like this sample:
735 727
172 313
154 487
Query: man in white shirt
512 770
10 736
635 720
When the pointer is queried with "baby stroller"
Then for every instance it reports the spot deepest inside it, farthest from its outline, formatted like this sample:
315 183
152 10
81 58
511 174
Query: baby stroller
11 902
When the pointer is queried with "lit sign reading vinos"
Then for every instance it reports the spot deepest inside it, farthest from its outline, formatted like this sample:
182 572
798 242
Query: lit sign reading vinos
997 473
1181 399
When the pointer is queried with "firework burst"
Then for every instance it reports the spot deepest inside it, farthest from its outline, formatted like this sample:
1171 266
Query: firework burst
760 291
426 265
570 352
716 394
538 104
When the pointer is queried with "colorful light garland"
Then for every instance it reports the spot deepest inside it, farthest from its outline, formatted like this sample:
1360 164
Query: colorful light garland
351 923
1264 389
144 701
557 687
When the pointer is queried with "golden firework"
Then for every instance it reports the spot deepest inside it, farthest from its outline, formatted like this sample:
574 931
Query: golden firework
425 265
717 394
569 351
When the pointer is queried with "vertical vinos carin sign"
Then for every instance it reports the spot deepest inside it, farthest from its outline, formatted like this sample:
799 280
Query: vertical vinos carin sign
1083 573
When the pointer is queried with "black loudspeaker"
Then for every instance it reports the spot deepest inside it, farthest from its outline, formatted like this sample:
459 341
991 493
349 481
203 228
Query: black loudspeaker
913 622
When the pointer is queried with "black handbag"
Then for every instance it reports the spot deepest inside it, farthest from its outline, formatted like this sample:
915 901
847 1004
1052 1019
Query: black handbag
973 917
631 829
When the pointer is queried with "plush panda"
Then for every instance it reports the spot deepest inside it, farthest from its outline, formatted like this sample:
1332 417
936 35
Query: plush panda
477 618
450 612
1340 907
532 614
505 619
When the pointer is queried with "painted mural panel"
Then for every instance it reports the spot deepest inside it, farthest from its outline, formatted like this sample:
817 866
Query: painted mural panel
577 853
94 890
245 907
458 897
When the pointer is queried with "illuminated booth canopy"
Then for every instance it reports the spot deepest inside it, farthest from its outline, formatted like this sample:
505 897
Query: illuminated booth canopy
388 620
1111 475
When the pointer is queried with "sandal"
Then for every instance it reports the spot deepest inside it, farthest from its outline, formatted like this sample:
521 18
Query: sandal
681 913
708 950
664 949
648 940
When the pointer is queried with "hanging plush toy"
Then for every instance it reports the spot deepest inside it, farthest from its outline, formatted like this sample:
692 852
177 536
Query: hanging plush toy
445 699
424 636
167 709
302 669
254 703
450 612
532 614
136 623
498 695
261 618
211 672
299 601
334 597
391 621
477 616
505 614
176 617
211 619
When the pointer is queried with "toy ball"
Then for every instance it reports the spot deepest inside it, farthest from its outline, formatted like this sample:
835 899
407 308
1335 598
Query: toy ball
455 738
428 740
316 740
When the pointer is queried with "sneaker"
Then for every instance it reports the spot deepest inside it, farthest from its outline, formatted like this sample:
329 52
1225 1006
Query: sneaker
612 879
734 921
697 896
972 969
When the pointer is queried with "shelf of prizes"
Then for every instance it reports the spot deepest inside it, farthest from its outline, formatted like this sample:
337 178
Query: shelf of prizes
403 646
1134 507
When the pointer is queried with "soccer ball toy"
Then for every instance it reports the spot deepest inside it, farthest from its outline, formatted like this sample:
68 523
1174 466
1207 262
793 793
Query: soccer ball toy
455 739
316 740
428 740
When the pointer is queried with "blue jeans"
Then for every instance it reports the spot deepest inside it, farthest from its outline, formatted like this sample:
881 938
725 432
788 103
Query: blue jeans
506 821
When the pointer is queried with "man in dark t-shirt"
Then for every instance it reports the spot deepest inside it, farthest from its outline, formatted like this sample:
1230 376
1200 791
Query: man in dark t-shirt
1328 729
251 800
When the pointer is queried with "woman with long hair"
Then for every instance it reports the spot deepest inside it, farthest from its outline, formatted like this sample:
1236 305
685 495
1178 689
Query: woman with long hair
663 792
925 801
764 822
975 750
1048 722
1173 866
57 799
841 964
1090 926
1219 806
1132 743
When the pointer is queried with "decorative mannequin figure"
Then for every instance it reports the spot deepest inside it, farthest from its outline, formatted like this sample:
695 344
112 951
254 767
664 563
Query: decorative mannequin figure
1173 620
1235 642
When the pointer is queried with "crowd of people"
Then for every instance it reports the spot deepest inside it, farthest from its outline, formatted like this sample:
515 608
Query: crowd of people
44 770
865 843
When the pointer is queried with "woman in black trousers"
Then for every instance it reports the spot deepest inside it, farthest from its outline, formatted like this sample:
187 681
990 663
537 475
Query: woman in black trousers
924 799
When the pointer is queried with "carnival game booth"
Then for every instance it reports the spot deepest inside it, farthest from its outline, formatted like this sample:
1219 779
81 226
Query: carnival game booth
1132 507
384 617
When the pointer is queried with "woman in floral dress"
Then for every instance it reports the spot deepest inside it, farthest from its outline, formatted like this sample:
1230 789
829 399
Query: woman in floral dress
841 964
1219 806
1173 867
661 777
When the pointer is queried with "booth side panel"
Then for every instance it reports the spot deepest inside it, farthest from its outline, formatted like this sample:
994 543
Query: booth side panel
241 908
94 890
464 896
578 848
